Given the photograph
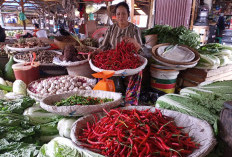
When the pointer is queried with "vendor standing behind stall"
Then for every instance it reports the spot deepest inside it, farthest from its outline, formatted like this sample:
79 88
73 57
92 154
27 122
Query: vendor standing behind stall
221 24
36 29
2 34
122 29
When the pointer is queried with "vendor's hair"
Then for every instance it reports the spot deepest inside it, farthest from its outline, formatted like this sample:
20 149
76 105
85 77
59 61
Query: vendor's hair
36 25
123 4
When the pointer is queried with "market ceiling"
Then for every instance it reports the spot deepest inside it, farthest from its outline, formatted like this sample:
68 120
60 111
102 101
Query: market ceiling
36 6
49 6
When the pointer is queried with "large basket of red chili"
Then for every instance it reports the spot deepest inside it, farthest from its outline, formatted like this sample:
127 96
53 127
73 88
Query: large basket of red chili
81 102
143 131
124 60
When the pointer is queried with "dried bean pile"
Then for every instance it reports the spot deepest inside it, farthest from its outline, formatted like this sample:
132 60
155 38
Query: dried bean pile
42 56
29 43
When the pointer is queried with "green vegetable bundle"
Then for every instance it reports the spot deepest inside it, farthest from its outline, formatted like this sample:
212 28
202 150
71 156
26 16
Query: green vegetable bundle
81 100
17 105
178 35
17 136
204 102
214 55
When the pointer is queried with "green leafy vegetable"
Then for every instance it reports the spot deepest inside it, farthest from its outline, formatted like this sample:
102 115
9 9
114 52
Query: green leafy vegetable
60 147
17 149
214 55
14 127
38 115
81 100
178 35
47 122
16 106
204 102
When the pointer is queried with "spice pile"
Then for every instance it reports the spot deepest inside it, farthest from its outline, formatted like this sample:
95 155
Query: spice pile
74 54
123 57
90 42
29 43
81 100
42 56
137 133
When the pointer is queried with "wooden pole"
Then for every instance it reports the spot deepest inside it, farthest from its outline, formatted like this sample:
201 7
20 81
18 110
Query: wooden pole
44 18
151 14
1 18
108 13
24 22
132 10
193 14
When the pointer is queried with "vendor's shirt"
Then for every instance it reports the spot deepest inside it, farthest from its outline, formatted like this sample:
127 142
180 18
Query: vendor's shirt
35 31
115 35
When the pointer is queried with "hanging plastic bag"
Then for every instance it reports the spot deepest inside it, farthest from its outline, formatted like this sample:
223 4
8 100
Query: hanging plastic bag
105 84
22 17
133 89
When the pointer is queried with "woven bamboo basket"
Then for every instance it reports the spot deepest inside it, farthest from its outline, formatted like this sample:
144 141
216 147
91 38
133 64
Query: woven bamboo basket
79 110
200 130
155 55
39 97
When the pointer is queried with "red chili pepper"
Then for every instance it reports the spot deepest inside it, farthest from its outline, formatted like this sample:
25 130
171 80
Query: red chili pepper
123 57
137 133
142 152
163 126
148 134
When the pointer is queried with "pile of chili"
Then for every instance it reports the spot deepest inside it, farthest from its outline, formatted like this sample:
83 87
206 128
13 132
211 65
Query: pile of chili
123 57
124 133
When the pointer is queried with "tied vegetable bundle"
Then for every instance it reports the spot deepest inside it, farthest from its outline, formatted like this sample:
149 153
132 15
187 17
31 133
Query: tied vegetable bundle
137 133
123 57
214 55
81 100
178 35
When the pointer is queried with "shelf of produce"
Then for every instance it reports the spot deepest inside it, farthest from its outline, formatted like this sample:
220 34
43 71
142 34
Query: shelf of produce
193 77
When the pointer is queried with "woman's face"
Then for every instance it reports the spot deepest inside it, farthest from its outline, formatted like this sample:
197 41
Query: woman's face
121 15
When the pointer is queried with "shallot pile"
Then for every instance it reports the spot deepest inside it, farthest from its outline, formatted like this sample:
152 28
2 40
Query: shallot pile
58 85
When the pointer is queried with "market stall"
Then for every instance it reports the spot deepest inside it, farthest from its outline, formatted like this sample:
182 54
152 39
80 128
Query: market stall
78 92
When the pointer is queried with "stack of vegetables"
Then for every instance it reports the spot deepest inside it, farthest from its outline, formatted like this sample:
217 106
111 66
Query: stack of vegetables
17 134
214 55
123 57
178 35
136 133
12 90
23 135
204 102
